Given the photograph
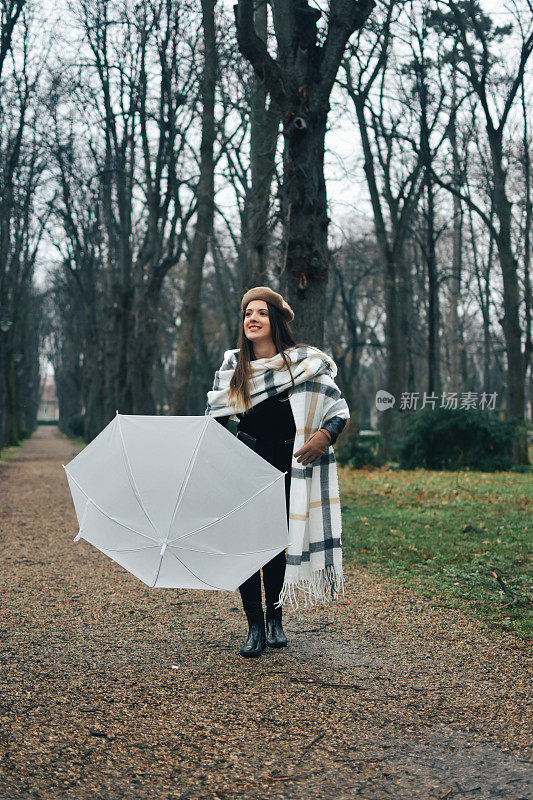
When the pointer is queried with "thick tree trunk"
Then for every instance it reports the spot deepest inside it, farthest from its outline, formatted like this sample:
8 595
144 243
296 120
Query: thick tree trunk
143 355
204 220
305 230
511 296
300 82
264 125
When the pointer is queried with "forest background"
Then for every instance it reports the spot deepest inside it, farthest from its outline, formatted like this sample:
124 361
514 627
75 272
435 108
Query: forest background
370 161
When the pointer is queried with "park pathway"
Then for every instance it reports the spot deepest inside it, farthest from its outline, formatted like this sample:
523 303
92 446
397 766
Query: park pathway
111 690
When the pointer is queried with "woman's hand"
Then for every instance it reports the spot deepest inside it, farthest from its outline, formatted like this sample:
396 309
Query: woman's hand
315 446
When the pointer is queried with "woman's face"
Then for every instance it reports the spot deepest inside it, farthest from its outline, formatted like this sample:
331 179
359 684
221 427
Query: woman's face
257 321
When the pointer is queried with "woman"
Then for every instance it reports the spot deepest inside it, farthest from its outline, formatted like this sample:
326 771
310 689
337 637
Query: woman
281 392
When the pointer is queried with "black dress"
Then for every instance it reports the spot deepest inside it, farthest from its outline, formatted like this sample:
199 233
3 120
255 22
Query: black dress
269 429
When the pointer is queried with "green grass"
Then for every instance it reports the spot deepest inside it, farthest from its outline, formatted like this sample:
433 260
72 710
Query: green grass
7 453
444 534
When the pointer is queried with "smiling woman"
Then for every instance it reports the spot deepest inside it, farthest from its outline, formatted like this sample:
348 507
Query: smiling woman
257 327
290 412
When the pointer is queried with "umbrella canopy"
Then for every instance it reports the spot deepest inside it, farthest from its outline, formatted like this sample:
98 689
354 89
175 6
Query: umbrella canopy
178 501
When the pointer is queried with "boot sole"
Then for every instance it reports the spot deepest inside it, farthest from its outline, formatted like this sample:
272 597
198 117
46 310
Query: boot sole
277 645
251 655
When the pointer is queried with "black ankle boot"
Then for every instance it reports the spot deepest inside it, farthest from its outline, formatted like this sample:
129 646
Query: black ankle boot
275 636
256 641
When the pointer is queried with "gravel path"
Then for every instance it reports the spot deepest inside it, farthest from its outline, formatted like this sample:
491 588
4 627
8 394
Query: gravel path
380 695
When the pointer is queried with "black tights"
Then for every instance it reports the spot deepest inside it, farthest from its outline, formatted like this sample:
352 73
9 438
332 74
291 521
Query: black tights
273 574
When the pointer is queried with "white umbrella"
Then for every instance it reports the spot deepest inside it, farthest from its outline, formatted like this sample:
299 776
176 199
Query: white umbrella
178 501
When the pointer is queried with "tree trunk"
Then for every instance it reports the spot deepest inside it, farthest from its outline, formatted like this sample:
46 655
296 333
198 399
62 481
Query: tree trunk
481 80
405 300
305 229
264 125
511 298
300 82
395 368
395 289
528 349
142 358
433 376
11 407
433 294
454 338
204 219
484 292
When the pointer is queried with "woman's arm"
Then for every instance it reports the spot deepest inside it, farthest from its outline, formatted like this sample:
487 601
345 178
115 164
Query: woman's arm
334 427
316 445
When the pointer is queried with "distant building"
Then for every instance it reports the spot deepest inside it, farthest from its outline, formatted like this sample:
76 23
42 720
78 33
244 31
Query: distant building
48 406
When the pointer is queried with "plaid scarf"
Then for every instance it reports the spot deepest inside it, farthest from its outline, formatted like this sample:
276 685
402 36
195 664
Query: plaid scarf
314 553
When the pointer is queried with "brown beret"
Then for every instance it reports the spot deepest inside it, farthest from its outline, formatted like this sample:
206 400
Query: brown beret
266 294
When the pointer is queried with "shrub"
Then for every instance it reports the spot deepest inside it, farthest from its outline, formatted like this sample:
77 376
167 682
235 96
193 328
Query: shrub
351 452
456 438
76 425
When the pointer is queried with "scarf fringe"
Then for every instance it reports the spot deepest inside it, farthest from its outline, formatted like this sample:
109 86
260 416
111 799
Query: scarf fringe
324 585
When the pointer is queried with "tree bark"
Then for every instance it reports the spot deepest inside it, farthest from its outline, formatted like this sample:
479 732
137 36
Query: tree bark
305 224
204 219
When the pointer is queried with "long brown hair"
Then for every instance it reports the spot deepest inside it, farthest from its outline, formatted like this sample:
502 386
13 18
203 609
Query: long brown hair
281 336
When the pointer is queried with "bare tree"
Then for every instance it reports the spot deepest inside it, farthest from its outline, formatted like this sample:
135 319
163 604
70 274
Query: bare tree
10 11
528 228
122 123
264 126
21 228
64 340
300 80
475 34
204 216
354 319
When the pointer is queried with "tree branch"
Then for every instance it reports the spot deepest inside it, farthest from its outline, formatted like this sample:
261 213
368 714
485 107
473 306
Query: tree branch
346 17
254 49
466 199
